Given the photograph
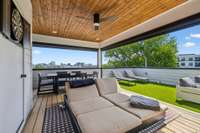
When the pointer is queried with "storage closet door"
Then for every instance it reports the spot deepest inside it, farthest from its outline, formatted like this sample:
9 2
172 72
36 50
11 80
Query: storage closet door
11 86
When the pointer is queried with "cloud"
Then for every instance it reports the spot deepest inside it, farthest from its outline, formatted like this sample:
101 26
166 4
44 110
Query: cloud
195 35
187 38
36 52
189 44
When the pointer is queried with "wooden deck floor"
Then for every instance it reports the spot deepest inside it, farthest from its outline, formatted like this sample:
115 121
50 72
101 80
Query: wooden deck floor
185 122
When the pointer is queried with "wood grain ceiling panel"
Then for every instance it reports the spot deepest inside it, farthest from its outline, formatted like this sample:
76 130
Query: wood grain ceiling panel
59 17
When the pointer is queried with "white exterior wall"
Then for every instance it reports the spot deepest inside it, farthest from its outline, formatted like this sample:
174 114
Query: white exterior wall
165 76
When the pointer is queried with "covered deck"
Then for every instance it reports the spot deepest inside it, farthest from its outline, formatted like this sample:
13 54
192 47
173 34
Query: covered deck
88 25
123 24
178 120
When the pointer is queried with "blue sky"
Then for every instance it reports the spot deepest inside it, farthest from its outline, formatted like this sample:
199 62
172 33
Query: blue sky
188 42
46 55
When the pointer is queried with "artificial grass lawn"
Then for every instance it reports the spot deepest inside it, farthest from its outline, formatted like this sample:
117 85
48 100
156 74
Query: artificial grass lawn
160 92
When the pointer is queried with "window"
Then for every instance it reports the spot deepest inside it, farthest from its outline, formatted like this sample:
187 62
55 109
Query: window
197 64
182 64
183 59
163 51
197 58
190 59
63 58
190 64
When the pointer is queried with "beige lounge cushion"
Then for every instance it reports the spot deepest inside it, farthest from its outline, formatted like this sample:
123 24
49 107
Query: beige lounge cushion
117 98
108 120
107 86
144 114
85 106
82 93
122 100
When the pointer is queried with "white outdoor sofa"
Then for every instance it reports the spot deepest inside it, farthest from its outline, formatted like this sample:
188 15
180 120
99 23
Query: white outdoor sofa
188 89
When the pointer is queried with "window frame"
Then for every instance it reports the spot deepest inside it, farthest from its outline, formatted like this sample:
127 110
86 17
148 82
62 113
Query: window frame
67 47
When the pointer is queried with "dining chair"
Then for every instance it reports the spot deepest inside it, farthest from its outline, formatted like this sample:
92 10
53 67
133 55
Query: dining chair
44 81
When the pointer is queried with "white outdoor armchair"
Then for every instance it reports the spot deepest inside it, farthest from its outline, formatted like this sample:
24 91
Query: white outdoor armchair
189 90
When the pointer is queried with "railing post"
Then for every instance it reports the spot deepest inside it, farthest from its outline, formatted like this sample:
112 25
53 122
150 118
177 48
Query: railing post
99 61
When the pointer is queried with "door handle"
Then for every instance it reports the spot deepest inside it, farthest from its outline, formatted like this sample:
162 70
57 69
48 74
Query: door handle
23 75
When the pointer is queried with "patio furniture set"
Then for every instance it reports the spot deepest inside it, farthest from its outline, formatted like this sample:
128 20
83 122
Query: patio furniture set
59 78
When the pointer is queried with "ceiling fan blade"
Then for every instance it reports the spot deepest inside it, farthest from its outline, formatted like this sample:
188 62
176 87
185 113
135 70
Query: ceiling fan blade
80 17
109 18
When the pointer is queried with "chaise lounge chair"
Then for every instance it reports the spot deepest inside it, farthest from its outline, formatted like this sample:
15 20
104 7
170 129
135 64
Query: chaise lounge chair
95 114
108 88
119 76
131 74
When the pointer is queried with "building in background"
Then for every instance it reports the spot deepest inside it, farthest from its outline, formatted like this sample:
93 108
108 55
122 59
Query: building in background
189 61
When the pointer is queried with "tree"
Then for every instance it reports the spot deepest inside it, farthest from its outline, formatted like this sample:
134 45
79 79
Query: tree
39 66
158 51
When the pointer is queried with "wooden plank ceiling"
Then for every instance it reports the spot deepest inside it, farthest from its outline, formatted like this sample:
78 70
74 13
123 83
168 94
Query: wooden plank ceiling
63 18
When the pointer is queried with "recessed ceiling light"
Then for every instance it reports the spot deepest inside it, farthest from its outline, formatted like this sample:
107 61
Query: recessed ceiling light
54 31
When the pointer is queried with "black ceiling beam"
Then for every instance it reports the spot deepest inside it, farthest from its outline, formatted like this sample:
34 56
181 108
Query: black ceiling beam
60 46
178 25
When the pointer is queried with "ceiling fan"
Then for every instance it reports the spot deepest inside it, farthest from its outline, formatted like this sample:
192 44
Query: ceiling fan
97 20
95 16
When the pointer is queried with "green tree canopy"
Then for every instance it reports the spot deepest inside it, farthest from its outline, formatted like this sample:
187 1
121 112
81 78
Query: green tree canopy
158 51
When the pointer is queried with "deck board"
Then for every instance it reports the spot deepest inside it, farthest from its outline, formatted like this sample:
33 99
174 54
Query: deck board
186 122
166 130
185 127
49 101
39 122
55 101
32 119
59 98
189 123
